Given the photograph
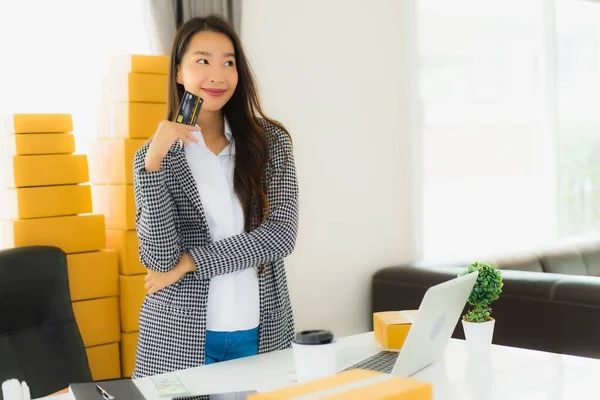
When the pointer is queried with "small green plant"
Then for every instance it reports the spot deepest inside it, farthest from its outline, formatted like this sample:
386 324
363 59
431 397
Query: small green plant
486 290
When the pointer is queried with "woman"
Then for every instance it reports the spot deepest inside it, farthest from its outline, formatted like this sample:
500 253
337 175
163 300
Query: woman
217 211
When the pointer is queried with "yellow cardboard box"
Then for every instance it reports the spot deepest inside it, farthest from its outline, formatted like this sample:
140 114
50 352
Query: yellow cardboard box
37 143
128 248
117 203
93 275
44 170
111 161
133 294
104 361
73 234
391 327
37 123
62 200
130 120
98 320
354 384
147 64
135 87
128 350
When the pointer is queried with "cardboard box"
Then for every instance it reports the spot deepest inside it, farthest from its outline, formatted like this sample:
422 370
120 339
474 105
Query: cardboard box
37 143
62 200
111 161
44 170
148 64
128 353
98 320
128 249
37 123
130 120
354 384
135 87
74 234
391 327
133 294
93 275
117 204
104 361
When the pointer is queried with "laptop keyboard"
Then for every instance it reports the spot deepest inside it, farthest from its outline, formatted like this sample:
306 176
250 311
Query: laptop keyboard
383 362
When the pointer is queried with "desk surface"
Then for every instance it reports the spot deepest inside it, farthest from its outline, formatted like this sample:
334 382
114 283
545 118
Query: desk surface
507 373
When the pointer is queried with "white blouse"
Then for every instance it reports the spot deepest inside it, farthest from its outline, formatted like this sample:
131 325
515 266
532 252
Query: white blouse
233 299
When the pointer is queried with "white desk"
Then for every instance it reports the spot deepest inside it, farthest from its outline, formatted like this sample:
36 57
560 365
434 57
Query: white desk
508 373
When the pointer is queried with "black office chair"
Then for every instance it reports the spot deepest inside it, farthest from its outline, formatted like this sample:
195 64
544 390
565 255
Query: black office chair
40 342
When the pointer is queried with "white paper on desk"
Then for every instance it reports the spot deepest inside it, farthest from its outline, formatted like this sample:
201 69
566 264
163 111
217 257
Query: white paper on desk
169 386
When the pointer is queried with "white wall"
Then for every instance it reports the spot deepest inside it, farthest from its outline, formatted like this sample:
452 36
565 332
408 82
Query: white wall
334 73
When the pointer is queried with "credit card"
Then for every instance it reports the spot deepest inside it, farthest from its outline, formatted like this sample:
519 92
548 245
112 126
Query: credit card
189 109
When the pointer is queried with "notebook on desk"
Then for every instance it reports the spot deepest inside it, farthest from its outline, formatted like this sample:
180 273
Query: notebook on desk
119 389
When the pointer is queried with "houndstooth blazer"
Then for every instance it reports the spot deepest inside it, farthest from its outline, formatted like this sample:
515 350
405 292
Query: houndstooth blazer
170 220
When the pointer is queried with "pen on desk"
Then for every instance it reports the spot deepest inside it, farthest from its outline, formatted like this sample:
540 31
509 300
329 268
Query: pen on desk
104 393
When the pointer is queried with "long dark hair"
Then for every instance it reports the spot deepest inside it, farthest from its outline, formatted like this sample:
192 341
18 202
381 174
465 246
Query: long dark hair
242 111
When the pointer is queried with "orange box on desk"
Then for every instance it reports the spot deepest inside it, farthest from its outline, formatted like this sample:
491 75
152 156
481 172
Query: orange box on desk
98 320
128 350
117 204
133 294
44 170
73 234
38 143
104 361
128 248
38 123
62 200
93 275
111 161
135 87
354 384
391 327
130 120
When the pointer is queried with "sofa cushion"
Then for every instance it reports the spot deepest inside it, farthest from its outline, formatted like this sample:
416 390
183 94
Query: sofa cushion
524 262
591 257
565 261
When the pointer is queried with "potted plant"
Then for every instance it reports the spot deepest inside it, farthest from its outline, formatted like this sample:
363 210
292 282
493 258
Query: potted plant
478 323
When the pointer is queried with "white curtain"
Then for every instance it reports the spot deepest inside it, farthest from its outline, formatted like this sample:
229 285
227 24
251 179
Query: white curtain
162 23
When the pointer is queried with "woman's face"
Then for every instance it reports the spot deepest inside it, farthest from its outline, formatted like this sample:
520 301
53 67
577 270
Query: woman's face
208 69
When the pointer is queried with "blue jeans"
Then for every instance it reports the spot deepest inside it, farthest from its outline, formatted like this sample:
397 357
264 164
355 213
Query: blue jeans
223 346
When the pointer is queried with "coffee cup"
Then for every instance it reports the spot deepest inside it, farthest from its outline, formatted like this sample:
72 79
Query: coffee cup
314 354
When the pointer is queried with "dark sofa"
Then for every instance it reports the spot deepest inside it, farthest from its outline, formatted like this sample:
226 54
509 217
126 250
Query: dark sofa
550 299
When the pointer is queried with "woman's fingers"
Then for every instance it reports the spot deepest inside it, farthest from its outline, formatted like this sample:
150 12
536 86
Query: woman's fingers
191 136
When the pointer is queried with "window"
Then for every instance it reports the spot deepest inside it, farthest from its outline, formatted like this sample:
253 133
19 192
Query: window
510 148
578 116
55 54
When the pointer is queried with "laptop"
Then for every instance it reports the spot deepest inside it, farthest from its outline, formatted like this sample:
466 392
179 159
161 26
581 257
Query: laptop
439 312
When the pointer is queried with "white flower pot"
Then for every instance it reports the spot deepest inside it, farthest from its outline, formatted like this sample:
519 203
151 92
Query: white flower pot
479 335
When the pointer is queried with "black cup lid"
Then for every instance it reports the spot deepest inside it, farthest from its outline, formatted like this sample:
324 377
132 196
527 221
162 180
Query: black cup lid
314 337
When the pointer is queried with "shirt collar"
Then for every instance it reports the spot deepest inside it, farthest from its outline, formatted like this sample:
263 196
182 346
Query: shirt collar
228 133
230 149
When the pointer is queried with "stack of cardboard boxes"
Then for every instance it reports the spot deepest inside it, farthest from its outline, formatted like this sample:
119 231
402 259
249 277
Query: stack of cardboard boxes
134 104
45 200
